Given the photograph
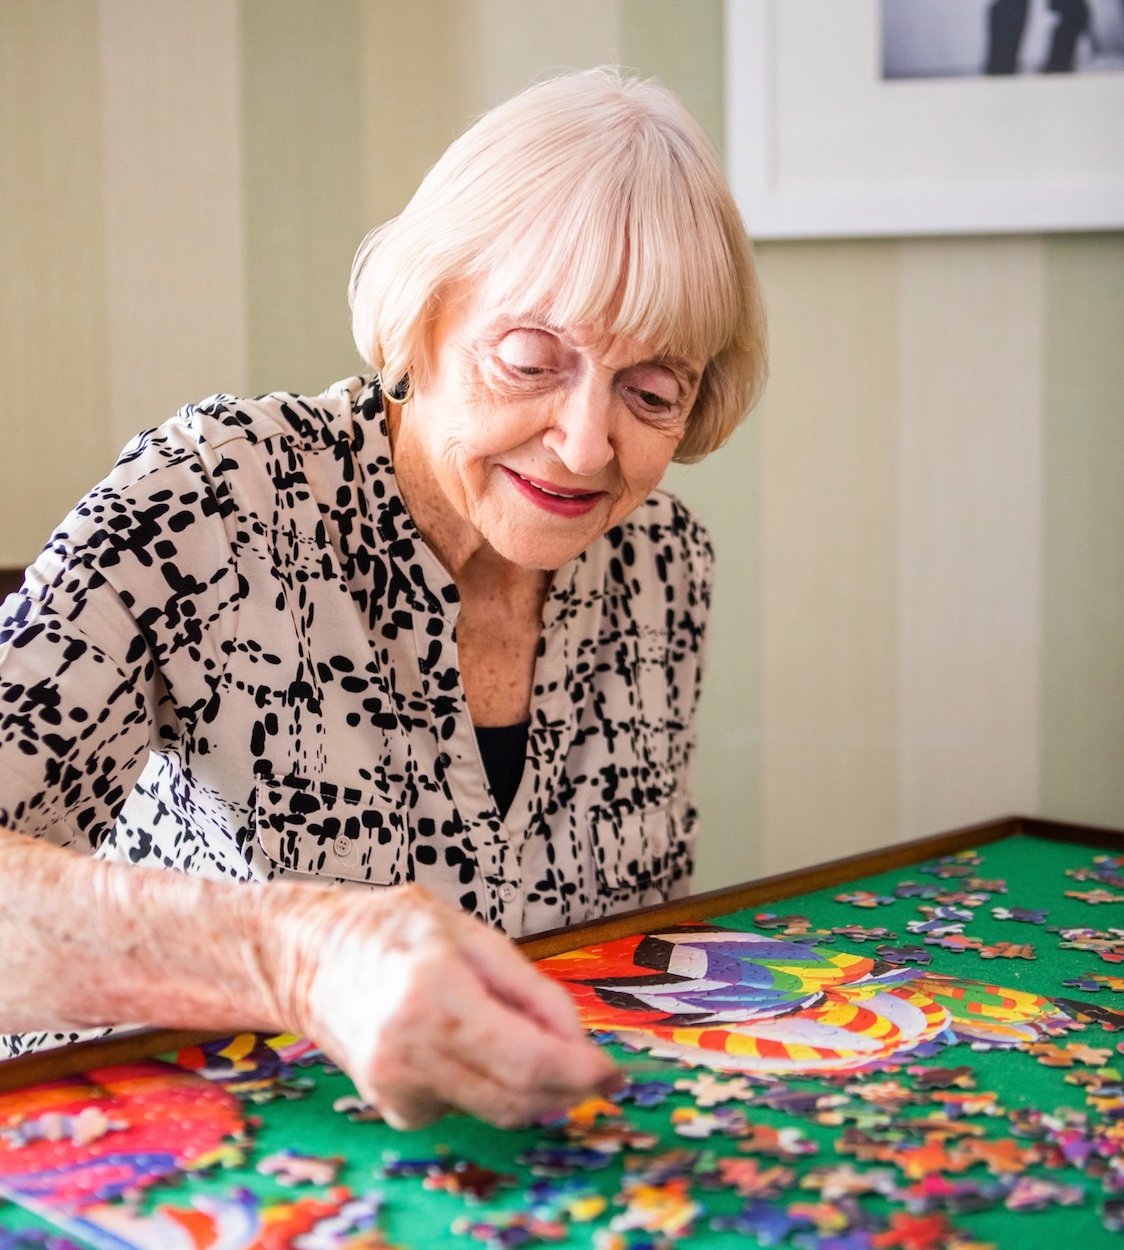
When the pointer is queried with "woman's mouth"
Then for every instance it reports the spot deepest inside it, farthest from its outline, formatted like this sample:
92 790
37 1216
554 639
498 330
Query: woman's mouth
559 500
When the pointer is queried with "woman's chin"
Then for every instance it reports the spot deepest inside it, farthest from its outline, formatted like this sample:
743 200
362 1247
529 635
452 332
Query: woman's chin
544 552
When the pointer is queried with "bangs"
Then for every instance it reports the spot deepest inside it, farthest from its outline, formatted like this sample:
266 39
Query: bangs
629 251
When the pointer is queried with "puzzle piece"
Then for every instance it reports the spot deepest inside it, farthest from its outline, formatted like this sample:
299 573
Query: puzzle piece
751 1180
1002 1156
1095 897
666 1166
395 1166
569 1197
563 1158
1007 950
930 1156
763 1221
942 1078
967 1102
935 1192
782 1143
709 1090
725 1121
858 933
963 898
867 1147
357 1110
915 889
292 1167
914 1232
1054 1056
612 1138
644 1093
468 1179
958 943
509 1230
846 1181
795 928
864 898
1032 1193
632 1239
1023 915
985 885
946 912
899 955
1086 983
666 1208
863 1117
587 1112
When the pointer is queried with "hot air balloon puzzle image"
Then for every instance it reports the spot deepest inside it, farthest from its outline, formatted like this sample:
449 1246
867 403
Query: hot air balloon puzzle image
747 1002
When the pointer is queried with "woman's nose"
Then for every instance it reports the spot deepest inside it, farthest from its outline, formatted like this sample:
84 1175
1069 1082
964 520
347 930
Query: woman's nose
581 433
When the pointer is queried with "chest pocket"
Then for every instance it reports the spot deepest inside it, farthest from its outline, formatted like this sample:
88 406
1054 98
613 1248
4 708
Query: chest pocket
632 850
331 831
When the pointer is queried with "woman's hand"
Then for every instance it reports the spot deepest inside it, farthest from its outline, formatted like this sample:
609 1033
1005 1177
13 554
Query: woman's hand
427 1009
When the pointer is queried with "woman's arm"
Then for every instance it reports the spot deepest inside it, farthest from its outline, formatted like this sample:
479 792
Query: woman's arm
425 1007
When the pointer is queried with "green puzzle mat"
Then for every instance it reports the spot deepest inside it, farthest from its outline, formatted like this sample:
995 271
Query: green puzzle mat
231 1205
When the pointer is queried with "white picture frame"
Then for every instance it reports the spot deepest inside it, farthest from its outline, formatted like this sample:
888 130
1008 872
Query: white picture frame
820 145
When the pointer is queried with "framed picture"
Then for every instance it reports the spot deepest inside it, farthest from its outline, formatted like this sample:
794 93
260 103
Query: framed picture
879 117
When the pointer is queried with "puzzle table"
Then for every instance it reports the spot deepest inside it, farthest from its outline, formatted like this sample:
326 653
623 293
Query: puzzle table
920 1047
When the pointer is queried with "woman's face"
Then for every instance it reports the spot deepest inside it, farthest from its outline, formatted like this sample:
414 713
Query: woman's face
534 439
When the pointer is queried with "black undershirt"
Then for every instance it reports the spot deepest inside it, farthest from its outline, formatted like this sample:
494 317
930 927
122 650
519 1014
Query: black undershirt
503 750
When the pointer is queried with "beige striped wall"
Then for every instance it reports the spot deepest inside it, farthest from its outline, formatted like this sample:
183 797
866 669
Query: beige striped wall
920 613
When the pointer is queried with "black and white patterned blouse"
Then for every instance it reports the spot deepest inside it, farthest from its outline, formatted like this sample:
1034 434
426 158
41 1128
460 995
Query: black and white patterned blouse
237 657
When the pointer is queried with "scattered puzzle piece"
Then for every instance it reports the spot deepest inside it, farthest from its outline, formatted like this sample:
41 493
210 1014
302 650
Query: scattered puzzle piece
291 1167
858 933
666 1208
904 954
1007 950
864 898
725 1121
1021 914
1032 1193
508 1230
709 1090
644 1093
782 1143
469 1179
942 1078
766 1223
1095 897
914 1232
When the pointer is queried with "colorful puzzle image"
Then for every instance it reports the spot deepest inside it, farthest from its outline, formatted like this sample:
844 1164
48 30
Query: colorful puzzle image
793 1079
747 1002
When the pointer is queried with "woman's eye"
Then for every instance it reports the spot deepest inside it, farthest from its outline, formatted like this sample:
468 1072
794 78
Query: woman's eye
653 391
650 399
527 353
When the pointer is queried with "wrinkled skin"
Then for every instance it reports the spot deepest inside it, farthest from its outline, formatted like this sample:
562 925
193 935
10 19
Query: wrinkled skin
423 1006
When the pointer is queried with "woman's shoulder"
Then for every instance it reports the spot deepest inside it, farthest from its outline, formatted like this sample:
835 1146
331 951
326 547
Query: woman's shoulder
663 518
305 421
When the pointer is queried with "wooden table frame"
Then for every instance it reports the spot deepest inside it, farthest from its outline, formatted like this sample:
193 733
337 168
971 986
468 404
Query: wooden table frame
139 1044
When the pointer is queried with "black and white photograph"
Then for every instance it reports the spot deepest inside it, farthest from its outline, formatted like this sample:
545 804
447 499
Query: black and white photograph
963 38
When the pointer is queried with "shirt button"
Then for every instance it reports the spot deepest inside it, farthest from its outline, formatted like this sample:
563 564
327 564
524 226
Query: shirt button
507 891
342 846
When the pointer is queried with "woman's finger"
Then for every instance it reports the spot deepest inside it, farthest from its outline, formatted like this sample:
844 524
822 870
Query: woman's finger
513 979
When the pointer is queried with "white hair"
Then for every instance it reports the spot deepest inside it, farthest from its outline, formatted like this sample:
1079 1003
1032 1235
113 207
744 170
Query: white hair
590 199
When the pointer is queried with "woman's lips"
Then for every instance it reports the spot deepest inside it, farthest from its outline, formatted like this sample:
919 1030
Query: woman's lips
559 500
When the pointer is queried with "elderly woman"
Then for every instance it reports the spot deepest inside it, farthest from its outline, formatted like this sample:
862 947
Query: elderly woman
434 635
